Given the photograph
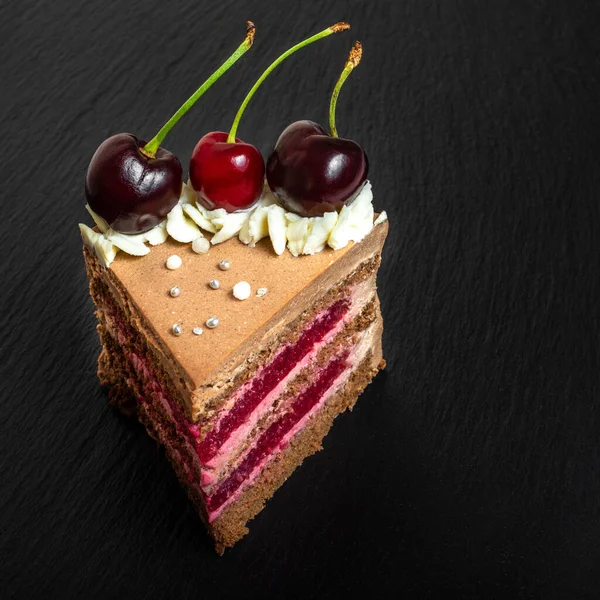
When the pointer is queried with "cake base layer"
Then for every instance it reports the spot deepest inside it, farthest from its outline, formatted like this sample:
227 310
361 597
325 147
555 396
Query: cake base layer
231 525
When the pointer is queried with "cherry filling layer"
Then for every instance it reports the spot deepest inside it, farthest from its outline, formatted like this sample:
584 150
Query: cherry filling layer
272 438
268 379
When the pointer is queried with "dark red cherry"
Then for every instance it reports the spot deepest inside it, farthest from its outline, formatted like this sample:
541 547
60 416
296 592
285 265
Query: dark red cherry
226 175
311 172
130 191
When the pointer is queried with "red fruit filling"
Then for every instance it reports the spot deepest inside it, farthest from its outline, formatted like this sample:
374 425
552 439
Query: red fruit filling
269 377
272 437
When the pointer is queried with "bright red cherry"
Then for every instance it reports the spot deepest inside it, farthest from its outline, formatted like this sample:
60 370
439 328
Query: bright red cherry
132 184
226 172
225 175
311 172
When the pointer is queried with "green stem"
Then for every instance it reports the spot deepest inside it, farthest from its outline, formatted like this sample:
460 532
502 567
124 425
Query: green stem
353 60
333 29
152 146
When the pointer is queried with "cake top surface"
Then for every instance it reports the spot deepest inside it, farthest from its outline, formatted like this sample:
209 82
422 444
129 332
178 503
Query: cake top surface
148 283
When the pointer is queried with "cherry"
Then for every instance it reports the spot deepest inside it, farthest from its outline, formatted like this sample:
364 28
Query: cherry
311 172
226 172
132 184
129 190
228 176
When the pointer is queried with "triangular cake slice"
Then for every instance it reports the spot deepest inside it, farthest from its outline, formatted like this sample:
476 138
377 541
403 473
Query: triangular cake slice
239 406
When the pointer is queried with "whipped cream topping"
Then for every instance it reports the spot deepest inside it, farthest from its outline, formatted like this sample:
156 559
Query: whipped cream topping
189 219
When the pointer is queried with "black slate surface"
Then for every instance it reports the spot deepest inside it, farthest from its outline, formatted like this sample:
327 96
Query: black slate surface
471 468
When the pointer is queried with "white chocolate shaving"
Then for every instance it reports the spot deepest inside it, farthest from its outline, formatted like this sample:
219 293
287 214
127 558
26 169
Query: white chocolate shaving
277 228
157 235
132 244
198 217
180 227
266 218
297 233
256 226
355 220
319 232
97 243
228 225
100 222
381 218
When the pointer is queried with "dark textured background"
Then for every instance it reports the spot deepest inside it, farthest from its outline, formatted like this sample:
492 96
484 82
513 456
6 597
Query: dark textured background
472 466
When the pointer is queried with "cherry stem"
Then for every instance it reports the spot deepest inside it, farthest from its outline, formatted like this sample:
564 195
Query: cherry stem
333 29
152 146
353 60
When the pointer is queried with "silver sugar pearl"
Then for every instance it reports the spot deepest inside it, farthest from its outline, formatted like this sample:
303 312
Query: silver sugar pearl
197 331
224 265
214 284
212 322
261 291
175 291
176 329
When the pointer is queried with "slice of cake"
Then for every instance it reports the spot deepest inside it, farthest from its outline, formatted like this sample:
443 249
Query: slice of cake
239 406
238 350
